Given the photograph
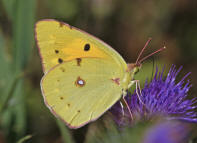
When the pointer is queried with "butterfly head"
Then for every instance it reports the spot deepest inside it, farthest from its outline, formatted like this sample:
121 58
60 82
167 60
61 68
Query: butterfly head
134 68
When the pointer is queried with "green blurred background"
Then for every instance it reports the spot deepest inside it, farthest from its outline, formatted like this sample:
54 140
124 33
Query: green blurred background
125 25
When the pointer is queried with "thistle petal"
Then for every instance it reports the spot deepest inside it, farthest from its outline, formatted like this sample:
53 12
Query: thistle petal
167 132
162 96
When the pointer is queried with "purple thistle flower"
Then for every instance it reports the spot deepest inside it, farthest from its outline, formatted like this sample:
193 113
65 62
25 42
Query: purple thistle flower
162 96
167 132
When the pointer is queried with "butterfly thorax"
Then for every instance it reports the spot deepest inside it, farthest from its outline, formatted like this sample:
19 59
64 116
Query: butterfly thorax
132 69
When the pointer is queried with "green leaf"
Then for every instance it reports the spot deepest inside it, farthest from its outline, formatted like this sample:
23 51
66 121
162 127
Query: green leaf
64 132
10 7
22 140
22 13
23 26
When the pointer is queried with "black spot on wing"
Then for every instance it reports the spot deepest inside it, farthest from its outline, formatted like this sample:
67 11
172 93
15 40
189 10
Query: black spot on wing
60 60
87 47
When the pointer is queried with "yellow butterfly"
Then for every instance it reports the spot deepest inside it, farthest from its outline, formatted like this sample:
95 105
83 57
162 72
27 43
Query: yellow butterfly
83 76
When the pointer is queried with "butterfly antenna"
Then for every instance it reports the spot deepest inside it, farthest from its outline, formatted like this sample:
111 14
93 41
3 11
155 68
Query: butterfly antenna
161 49
148 41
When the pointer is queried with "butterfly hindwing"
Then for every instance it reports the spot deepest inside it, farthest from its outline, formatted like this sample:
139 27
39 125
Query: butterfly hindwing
81 90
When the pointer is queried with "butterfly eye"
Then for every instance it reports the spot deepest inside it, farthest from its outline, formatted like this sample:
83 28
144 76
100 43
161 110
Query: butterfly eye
87 47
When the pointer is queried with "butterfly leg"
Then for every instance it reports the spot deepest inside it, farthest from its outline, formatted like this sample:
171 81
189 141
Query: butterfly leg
132 83
124 93
122 107
131 115
123 102
137 83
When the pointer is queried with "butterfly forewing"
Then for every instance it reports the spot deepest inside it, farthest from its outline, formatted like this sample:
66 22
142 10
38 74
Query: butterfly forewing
59 42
